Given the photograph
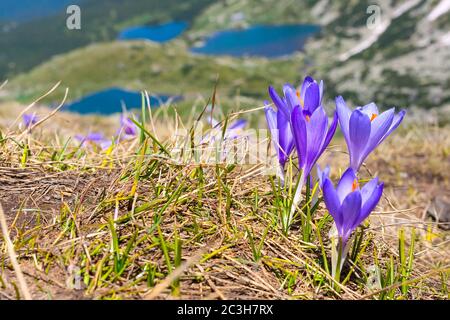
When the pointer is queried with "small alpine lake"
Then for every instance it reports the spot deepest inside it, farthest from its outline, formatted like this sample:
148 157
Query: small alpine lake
158 33
259 40
113 100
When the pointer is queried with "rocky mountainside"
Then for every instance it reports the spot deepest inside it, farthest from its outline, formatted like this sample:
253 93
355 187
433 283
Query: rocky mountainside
392 51
389 51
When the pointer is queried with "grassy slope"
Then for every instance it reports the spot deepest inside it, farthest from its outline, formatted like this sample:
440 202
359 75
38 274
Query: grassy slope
60 202
395 71
34 42
157 68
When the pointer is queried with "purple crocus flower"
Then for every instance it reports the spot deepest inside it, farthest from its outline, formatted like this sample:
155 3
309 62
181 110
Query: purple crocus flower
280 131
234 129
322 174
127 127
232 132
309 126
29 119
309 97
365 128
312 135
95 138
348 204
91 137
308 121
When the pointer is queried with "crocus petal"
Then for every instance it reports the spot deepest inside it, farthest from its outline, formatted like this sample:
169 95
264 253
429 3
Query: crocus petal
79 137
271 117
316 129
285 137
292 100
279 103
370 109
368 189
331 132
321 85
369 205
127 126
105 144
288 87
306 82
238 124
298 126
332 202
323 174
344 114
312 97
345 185
213 122
398 118
359 133
351 209
29 119
380 125
95 136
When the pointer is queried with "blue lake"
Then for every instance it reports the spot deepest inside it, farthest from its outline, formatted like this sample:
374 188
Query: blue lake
159 33
259 40
110 101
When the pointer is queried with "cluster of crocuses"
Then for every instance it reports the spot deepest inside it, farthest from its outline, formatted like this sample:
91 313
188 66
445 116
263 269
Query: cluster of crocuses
300 122
128 130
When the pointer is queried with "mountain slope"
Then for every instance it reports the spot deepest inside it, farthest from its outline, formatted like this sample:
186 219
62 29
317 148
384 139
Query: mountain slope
403 62
167 68
26 45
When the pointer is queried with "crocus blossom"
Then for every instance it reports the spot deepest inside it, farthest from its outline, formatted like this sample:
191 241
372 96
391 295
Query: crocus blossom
128 128
322 175
94 138
280 131
365 128
303 110
311 134
29 119
348 204
217 145
233 130
288 127
309 127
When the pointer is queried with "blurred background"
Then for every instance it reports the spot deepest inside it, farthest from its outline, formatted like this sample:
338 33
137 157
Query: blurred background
393 52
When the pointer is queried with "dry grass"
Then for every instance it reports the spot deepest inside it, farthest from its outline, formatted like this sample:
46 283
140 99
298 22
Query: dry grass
133 224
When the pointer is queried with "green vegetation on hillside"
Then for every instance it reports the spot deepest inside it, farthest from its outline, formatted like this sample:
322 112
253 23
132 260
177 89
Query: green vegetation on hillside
32 43
167 68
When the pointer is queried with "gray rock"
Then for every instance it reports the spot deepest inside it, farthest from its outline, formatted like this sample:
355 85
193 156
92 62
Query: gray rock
439 210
